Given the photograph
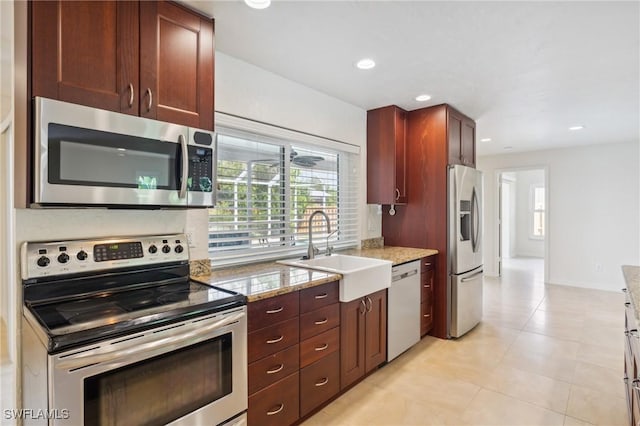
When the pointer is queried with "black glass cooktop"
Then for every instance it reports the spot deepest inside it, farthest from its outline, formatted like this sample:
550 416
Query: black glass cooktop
72 321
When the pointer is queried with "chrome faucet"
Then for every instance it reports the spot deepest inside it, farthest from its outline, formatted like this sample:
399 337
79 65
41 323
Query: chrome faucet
312 251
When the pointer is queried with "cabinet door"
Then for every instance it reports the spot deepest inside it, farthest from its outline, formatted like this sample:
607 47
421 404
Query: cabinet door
176 65
454 135
386 156
86 52
352 336
468 143
376 330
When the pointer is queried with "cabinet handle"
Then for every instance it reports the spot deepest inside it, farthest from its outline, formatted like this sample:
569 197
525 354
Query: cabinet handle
324 321
427 264
323 382
364 307
635 385
427 286
276 370
321 296
370 304
150 95
627 304
397 194
634 333
426 315
130 86
275 311
276 411
279 339
322 348
624 290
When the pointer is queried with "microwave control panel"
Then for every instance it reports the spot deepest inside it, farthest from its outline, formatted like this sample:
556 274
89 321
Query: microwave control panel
200 169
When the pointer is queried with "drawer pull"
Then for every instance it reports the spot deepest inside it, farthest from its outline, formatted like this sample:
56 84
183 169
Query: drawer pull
324 321
275 311
276 411
635 384
426 315
322 348
624 290
427 264
427 286
634 333
279 339
321 296
276 370
323 382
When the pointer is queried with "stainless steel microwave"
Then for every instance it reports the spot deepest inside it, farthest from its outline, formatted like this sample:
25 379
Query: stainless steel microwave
90 157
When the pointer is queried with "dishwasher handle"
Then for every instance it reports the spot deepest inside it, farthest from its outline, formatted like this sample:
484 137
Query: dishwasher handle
404 275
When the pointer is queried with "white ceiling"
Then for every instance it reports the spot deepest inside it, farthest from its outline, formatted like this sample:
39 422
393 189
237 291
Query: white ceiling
525 71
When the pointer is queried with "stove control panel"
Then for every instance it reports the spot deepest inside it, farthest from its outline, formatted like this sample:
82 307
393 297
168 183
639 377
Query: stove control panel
40 259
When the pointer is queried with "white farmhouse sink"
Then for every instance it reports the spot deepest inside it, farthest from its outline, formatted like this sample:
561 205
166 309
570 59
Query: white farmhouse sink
360 275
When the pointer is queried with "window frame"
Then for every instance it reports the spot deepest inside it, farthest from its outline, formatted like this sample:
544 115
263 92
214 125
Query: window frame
533 211
229 125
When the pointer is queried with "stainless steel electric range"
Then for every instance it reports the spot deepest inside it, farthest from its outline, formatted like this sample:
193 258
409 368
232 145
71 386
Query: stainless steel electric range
116 333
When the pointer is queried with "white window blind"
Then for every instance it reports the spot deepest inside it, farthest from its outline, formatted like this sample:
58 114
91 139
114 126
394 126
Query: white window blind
268 187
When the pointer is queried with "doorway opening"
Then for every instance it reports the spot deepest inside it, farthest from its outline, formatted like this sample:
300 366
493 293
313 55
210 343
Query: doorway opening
522 222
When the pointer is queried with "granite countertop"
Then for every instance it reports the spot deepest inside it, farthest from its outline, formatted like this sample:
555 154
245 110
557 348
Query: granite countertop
263 280
632 278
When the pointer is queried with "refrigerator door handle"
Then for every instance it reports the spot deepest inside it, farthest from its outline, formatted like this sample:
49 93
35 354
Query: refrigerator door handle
472 277
474 204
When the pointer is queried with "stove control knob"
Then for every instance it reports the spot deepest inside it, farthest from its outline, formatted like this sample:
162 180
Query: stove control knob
166 249
179 249
153 249
82 255
43 261
63 258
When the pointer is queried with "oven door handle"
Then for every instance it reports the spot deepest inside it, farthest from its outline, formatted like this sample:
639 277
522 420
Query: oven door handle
165 344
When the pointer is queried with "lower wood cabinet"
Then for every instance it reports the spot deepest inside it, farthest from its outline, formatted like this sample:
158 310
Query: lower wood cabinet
278 404
319 382
363 336
427 282
294 354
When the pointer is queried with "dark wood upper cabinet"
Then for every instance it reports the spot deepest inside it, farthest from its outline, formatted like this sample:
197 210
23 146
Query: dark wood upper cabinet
176 65
386 156
86 52
461 139
149 58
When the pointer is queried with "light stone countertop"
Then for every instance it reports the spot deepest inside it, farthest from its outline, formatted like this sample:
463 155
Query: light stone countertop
263 280
632 279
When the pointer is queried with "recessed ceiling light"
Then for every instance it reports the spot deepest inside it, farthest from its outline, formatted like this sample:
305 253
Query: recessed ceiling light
485 140
258 4
423 98
576 127
508 147
365 64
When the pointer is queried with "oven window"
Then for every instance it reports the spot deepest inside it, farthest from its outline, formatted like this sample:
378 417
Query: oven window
160 389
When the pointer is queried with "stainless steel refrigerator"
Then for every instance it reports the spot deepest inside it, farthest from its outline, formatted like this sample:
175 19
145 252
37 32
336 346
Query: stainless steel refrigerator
464 291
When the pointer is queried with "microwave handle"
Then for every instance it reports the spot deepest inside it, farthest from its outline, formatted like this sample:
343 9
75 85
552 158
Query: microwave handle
185 166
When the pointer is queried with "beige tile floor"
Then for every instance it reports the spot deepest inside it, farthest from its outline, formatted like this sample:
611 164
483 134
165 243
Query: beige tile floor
542 355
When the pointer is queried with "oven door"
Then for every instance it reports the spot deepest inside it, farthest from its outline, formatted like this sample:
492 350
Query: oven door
188 373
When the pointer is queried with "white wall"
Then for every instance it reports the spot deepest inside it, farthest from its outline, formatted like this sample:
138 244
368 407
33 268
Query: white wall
594 205
248 91
524 244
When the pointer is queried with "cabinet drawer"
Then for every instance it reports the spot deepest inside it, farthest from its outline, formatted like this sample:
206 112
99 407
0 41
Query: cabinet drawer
272 310
319 346
270 340
319 321
426 290
272 368
318 296
319 382
426 318
427 264
277 404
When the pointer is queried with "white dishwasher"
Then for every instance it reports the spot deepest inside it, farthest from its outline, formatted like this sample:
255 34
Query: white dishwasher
403 310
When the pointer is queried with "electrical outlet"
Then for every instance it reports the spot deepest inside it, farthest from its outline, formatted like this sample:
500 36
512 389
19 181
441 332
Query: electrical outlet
598 267
190 239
